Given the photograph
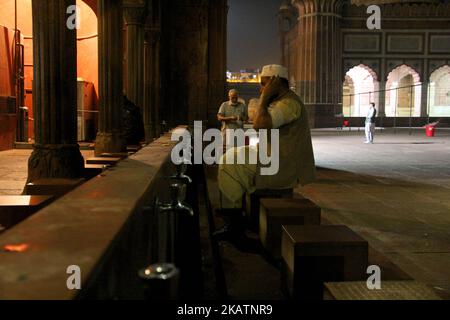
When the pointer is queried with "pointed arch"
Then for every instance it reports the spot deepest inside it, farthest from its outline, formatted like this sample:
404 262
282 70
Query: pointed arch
403 92
92 4
361 88
439 92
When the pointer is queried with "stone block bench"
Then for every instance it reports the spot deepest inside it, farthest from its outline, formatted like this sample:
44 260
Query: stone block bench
54 187
14 209
275 213
252 203
313 255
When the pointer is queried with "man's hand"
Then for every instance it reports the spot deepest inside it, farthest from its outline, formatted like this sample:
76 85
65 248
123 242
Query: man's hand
272 89
227 119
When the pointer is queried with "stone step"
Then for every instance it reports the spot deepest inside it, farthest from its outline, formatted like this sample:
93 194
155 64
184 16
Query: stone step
122 155
86 146
134 148
313 255
55 187
29 146
275 213
23 146
14 209
390 290
93 170
112 161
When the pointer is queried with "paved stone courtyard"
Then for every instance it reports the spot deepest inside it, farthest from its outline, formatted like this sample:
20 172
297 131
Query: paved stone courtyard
395 193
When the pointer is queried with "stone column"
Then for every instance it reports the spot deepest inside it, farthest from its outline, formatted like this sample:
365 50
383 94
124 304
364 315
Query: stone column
134 14
424 99
56 152
152 72
382 99
320 59
110 46
218 13
382 89
187 95
286 20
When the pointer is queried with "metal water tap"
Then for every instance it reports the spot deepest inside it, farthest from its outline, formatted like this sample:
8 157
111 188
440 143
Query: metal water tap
181 174
168 222
177 196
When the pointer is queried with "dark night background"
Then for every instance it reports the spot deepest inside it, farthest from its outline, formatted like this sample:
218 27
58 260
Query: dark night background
253 39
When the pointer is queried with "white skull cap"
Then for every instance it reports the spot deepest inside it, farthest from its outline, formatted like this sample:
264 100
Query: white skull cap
274 70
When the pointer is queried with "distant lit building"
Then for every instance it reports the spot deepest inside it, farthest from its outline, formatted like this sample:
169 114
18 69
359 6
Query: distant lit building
244 76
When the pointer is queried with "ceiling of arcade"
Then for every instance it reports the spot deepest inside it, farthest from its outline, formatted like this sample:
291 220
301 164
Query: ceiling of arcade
372 2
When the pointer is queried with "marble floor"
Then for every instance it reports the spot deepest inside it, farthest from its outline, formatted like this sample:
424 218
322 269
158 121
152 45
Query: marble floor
13 170
395 193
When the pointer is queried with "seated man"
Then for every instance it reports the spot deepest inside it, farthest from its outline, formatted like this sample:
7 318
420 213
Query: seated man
279 108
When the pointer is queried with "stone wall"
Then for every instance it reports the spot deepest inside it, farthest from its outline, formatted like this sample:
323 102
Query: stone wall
102 227
413 34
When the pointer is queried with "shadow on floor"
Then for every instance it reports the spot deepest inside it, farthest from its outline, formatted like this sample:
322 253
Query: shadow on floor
251 275
407 221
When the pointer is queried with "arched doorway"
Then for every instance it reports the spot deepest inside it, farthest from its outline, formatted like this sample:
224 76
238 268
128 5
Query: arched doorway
87 53
347 101
92 4
403 92
87 43
439 93
360 89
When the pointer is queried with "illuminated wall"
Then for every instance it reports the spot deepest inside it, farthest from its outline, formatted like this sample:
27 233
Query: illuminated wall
403 92
87 42
439 93
360 90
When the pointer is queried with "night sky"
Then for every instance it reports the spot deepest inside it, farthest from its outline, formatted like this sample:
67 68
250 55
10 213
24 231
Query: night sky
253 39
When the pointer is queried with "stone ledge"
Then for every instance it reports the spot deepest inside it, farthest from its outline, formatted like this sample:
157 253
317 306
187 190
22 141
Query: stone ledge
90 227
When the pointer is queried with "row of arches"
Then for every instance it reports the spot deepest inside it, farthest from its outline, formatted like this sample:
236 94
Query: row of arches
402 93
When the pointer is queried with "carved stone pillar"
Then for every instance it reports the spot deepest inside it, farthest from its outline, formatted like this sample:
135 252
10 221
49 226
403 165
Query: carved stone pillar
320 59
110 46
134 14
218 12
187 96
56 152
287 18
152 72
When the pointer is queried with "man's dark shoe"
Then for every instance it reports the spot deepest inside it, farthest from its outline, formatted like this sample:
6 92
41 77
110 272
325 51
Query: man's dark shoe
230 233
248 245
223 234
229 212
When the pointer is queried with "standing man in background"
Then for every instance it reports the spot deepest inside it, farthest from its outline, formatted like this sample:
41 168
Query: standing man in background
370 123
233 114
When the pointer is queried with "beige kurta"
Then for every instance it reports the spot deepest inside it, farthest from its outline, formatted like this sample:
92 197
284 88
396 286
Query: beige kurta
296 160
